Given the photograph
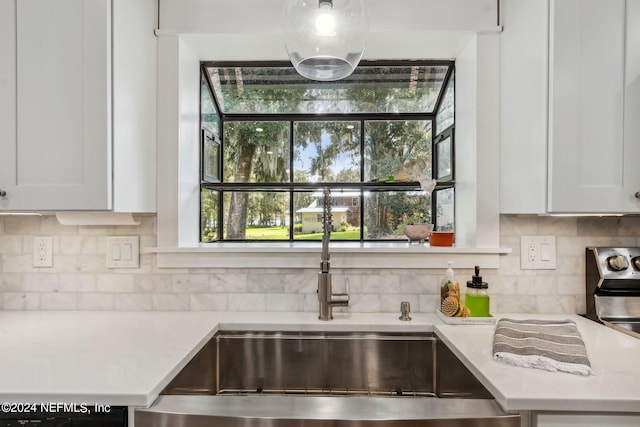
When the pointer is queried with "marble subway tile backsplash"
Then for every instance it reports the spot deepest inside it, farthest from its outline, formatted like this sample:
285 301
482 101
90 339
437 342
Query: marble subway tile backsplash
79 279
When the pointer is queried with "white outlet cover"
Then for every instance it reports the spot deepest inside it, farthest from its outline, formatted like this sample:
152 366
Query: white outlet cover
537 252
43 251
123 252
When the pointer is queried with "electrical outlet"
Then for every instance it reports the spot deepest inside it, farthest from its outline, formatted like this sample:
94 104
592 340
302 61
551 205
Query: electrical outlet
532 252
538 252
43 251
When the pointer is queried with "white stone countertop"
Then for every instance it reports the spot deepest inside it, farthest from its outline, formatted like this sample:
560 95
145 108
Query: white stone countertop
127 358
614 357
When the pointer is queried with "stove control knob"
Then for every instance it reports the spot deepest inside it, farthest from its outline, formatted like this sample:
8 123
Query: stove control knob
617 263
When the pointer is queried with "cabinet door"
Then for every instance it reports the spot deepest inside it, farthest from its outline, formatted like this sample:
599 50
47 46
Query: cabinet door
134 104
632 107
584 419
63 106
586 87
7 96
523 106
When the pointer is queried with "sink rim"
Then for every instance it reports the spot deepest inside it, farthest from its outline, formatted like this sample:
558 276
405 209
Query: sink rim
352 408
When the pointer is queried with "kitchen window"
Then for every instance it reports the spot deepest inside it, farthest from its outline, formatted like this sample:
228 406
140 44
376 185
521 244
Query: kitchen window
178 240
271 140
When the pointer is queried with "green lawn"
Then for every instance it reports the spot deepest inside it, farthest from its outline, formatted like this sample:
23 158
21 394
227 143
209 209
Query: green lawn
279 233
267 233
335 235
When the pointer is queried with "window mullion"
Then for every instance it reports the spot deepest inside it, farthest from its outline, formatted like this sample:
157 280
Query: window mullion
292 214
362 179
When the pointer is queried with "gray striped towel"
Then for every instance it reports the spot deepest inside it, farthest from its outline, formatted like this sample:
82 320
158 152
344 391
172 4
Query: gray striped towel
543 344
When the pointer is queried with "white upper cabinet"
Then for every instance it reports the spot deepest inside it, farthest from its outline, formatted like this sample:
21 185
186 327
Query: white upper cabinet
631 153
583 156
7 96
63 105
586 92
73 125
523 106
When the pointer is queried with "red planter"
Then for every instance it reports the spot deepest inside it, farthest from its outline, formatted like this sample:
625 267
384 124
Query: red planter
441 238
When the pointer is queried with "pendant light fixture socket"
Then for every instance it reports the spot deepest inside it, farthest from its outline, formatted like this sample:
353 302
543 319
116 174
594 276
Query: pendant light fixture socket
325 39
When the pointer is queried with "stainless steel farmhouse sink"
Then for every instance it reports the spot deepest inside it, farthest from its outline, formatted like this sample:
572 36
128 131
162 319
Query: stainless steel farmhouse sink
282 379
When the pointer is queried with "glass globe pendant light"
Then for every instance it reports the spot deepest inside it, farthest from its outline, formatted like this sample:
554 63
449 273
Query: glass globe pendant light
325 39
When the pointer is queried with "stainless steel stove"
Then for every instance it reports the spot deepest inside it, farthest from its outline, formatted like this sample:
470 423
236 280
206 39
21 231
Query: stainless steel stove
613 287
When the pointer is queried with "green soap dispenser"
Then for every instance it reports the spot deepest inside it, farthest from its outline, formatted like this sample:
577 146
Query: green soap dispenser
477 297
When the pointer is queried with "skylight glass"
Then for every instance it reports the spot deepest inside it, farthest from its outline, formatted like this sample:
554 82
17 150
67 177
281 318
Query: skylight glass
371 89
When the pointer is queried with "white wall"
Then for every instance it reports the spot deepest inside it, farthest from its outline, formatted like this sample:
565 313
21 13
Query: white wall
523 124
477 119
178 180
466 141
402 29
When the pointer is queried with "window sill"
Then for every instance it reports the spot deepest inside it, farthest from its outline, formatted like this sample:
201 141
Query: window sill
392 255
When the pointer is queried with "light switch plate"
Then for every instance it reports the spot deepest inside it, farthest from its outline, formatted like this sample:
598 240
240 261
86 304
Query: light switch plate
537 252
123 252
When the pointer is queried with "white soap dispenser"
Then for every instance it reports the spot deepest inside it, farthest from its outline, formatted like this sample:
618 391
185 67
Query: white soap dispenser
450 295
449 292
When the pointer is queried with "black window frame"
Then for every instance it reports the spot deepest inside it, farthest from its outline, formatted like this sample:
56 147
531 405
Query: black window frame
220 186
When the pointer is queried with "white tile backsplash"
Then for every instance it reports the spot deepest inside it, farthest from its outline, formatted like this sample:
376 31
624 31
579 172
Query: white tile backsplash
11 282
96 301
190 283
383 283
266 283
58 301
21 301
133 301
208 302
78 244
507 303
11 244
115 283
284 302
391 302
419 284
555 304
228 282
427 303
152 282
247 302
45 283
80 280
170 302
22 225
365 303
